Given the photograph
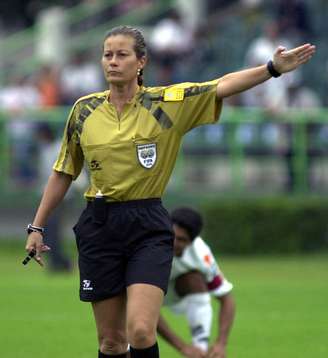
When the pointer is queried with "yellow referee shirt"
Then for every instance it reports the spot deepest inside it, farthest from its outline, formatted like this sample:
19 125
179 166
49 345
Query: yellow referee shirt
132 156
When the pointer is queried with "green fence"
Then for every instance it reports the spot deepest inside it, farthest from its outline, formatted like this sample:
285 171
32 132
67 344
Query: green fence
249 153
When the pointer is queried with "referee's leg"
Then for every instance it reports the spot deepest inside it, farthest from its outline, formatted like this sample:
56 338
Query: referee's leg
110 316
143 306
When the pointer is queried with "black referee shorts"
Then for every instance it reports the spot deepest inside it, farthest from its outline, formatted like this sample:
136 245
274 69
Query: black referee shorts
134 244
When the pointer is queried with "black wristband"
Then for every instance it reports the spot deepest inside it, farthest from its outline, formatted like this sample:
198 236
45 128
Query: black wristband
31 228
273 72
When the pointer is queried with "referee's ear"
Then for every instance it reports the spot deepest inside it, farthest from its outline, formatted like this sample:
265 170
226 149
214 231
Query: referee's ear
142 62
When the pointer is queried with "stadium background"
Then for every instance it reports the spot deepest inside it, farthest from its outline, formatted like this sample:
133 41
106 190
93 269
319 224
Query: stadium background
260 178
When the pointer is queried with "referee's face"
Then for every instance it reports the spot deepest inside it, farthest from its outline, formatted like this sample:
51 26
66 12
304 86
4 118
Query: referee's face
119 61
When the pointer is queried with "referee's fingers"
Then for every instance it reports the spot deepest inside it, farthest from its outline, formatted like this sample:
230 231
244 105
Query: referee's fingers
29 247
39 260
45 248
280 49
37 256
35 242
300 49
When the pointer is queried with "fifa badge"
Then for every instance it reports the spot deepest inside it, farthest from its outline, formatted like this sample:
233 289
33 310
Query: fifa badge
147 155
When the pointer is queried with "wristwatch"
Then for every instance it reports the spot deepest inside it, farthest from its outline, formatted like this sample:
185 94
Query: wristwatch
273 72
31 228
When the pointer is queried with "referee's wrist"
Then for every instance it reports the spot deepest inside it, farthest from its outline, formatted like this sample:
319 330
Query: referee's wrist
33 228
272 70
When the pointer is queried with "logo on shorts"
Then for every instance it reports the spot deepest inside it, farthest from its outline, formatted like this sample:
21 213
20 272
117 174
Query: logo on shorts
86 286
147 155
95 165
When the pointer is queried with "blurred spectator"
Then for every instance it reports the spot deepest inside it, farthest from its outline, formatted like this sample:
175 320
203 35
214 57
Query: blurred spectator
47 83
271 95
94 14
80 77
214 5
325 76
305 99
170 41
16 99
193 12
48 150
250 4
18 95
17 14
124 7
294 19
202 56
302 97
51 45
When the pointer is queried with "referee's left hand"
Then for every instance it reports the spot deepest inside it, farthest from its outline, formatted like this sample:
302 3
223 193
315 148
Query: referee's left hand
35 242
288 60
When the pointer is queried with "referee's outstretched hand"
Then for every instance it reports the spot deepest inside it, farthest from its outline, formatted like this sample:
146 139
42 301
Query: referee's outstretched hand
288 60
35 242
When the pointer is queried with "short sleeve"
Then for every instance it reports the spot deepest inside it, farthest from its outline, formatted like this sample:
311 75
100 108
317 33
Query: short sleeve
199 106
70 159
217 284
221 289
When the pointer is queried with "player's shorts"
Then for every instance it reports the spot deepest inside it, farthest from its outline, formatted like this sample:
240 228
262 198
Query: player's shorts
134 244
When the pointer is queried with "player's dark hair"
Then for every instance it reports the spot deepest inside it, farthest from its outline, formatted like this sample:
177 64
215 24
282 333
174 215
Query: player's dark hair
188 219
140 47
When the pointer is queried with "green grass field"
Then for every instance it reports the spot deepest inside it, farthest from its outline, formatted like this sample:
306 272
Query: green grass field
281 309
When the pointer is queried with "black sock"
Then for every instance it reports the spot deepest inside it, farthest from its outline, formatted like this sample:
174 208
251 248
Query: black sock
102 355
151 352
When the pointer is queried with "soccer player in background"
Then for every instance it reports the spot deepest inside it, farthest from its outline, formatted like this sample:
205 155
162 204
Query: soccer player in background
194 277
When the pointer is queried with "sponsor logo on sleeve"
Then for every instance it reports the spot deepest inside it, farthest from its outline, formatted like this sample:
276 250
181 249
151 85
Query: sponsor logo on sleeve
173 94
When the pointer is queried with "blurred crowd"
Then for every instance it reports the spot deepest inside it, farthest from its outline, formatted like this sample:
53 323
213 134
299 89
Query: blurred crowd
194 40
183 47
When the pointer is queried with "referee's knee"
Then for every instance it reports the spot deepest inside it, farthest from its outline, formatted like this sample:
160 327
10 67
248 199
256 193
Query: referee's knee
114 343
141 334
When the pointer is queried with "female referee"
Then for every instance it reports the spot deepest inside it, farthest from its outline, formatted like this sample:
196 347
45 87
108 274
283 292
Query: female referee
129 137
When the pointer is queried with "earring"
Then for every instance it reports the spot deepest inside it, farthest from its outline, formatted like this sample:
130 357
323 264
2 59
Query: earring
139 71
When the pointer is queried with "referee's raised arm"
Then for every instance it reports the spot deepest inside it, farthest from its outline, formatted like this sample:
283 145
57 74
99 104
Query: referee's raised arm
283 61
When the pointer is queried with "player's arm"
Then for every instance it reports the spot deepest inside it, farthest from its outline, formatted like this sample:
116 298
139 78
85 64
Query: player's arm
283 61
174 340
221 288
54 192
225 321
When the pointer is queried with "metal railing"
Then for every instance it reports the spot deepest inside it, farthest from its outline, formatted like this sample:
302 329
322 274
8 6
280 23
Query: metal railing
260 153
248 153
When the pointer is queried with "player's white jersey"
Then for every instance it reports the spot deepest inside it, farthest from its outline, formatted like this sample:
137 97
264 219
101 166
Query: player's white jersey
198 256
197 307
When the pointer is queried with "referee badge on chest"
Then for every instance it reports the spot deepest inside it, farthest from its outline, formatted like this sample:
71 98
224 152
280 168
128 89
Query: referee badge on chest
147 155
